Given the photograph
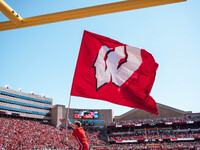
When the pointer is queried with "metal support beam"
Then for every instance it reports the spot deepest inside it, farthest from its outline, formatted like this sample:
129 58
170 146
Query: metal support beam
10 13
86 12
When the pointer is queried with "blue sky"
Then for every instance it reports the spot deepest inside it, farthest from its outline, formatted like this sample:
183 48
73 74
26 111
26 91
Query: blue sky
43 58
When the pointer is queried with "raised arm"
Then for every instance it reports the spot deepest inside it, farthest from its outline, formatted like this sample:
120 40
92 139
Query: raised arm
71 124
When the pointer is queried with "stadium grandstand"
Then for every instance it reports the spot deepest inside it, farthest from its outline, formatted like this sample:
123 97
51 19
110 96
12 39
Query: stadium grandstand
26 123
25 105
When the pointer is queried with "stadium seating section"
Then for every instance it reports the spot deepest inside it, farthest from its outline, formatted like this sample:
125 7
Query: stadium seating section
25 134
168 133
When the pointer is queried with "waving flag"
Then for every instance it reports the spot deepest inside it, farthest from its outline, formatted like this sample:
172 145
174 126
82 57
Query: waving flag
115 72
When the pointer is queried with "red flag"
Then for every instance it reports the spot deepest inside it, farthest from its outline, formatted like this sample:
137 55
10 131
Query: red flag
115 72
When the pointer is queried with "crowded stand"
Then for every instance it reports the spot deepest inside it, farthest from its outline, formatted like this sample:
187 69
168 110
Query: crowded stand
127 137
163 146
17 133
115 138
95 136
167 121
168 133
26 134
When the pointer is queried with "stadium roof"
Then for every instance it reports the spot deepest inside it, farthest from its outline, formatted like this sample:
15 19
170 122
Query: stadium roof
164 112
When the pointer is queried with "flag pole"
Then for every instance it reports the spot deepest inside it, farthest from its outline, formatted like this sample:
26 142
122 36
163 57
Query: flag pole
68 107
67 117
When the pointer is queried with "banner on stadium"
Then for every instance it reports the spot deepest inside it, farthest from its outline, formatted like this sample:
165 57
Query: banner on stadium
8 113
126 141
190 122
138 125
115 72
118 125
182 139
168 123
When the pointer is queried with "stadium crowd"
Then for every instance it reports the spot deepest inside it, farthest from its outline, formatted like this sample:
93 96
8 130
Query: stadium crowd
134 129
162 146
177 120
140 135
95 136
26 134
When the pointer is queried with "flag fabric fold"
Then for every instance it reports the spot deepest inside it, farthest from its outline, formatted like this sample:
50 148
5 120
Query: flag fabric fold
115 72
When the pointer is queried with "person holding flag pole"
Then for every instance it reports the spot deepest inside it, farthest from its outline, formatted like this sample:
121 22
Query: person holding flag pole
79 135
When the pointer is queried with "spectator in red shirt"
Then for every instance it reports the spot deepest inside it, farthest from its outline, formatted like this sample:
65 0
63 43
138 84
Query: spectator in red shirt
79 135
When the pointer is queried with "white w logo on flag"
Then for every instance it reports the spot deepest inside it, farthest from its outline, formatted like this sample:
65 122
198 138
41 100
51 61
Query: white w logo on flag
116 65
